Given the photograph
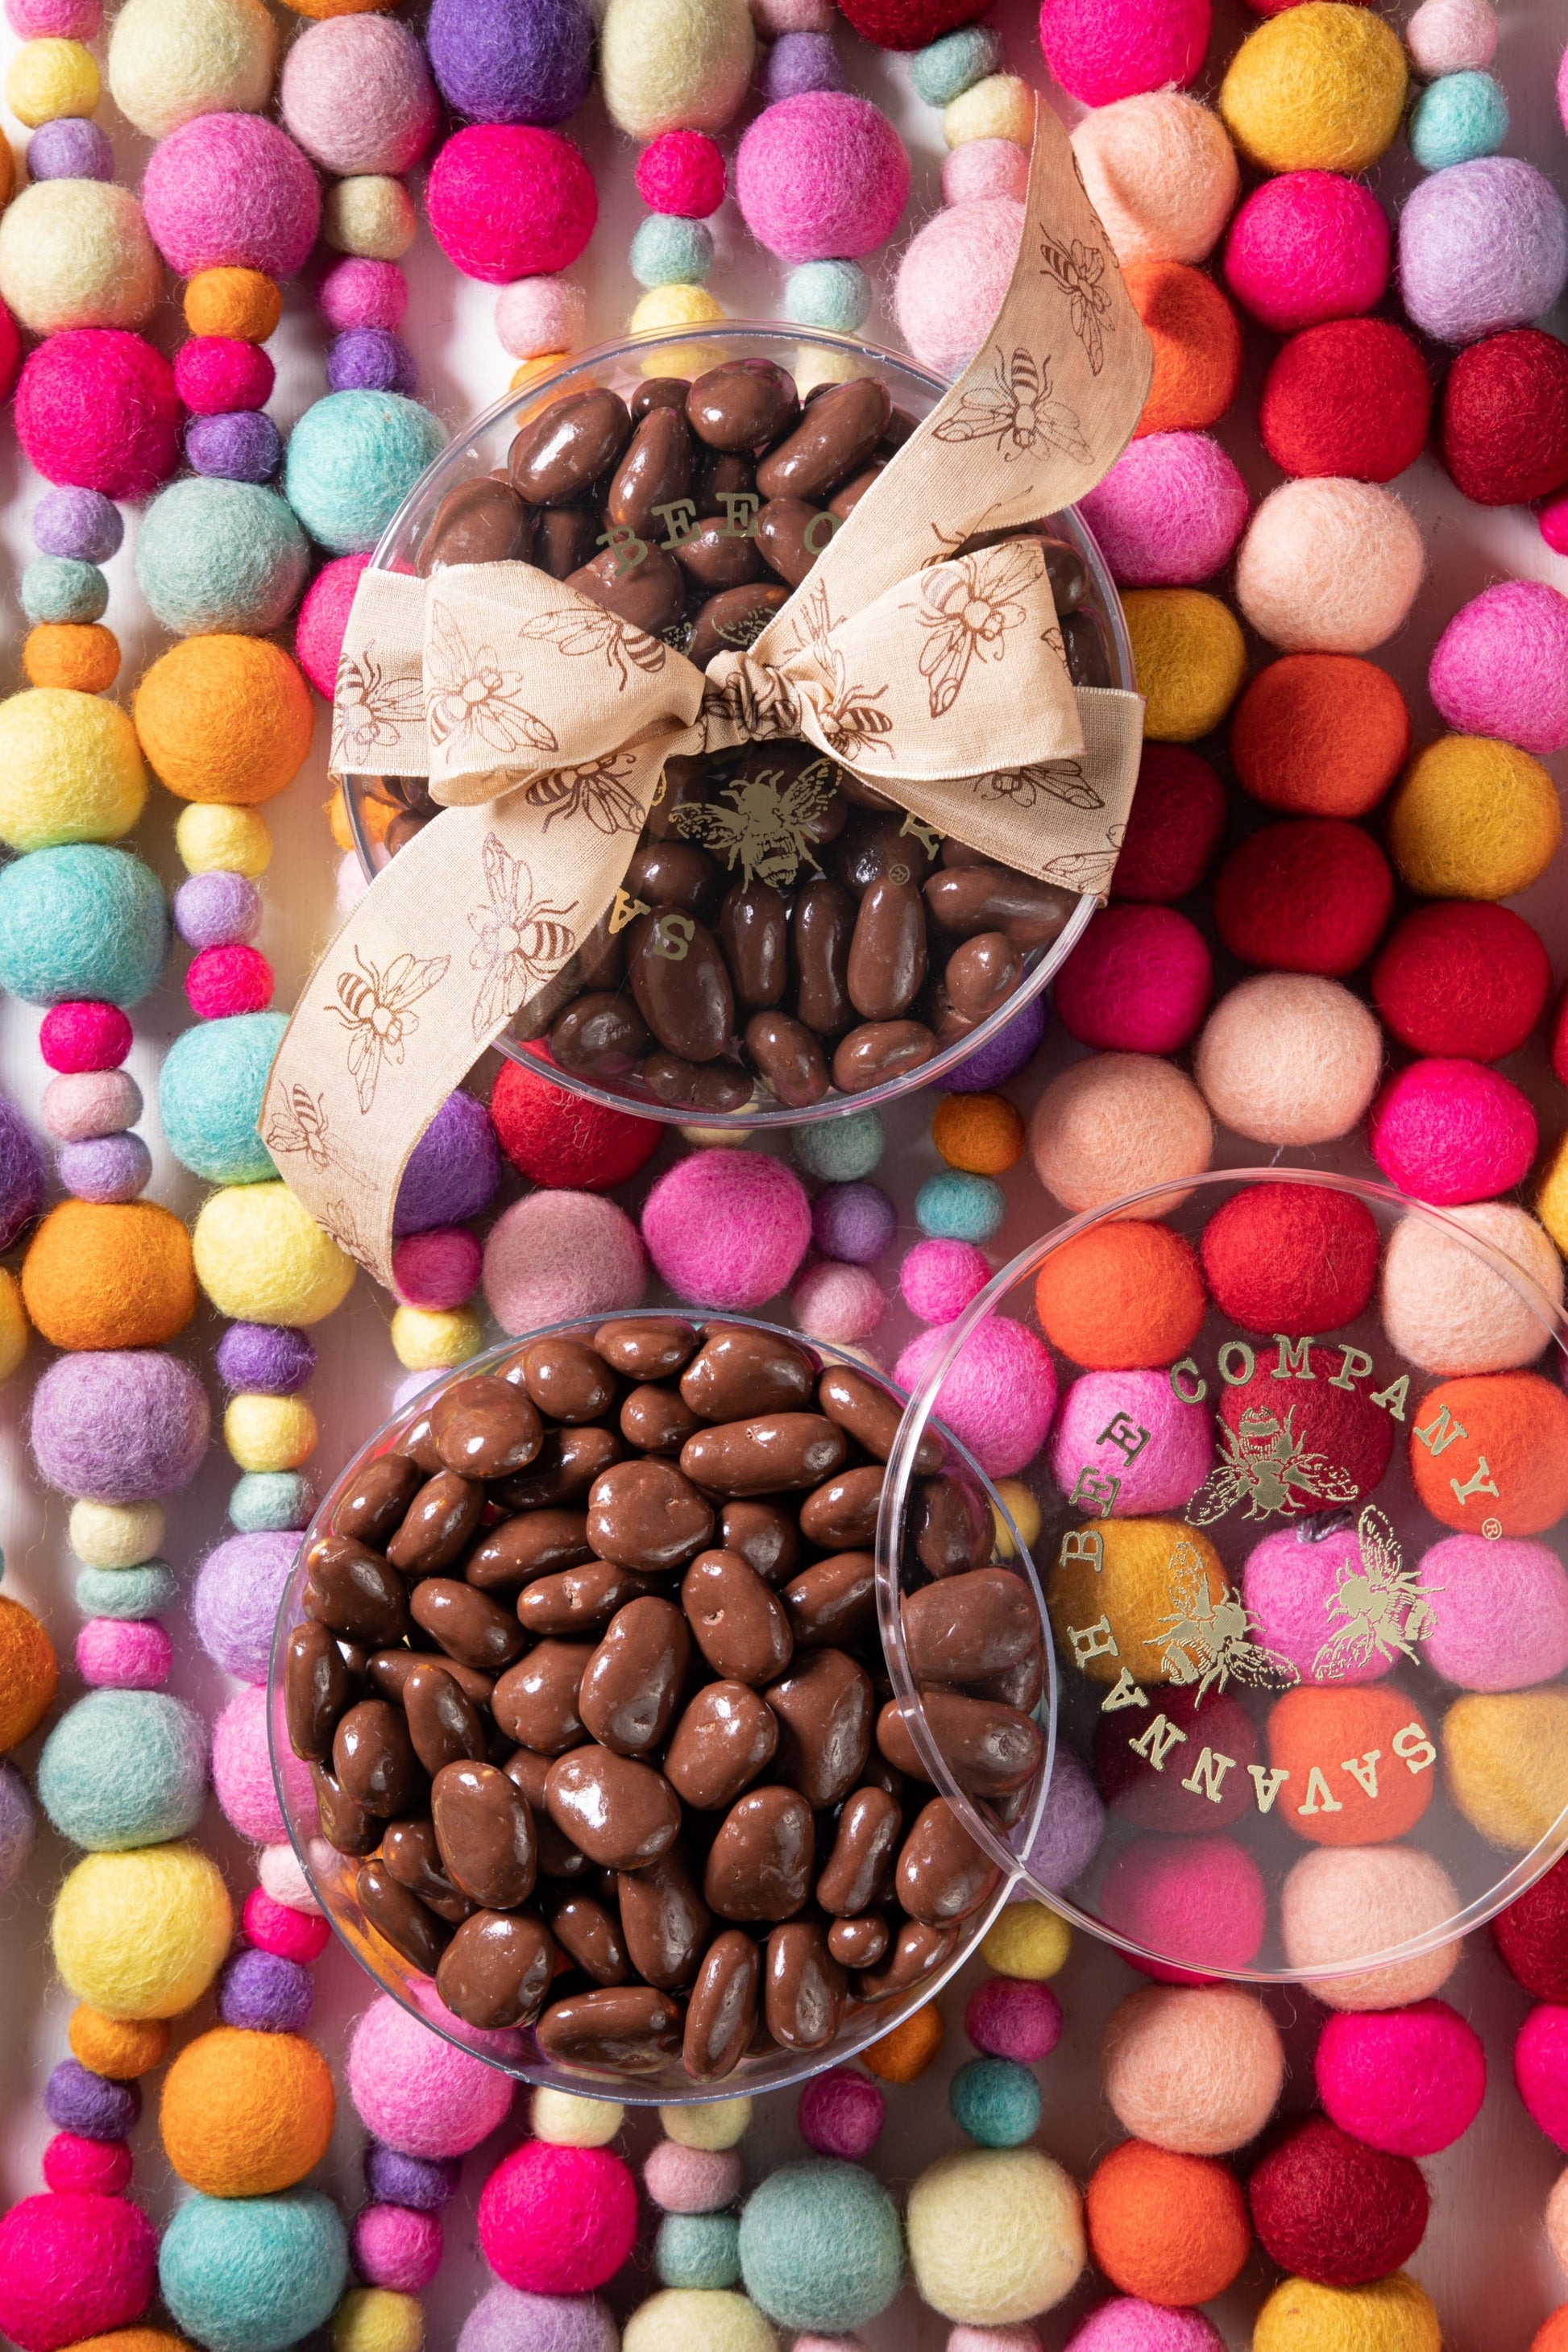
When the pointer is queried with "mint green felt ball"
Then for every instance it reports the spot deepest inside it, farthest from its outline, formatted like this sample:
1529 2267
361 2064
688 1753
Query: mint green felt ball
996 2101
352 459
822 2247
839 1150
956 1207
209 1097
668 251
132 1593
836 295
61 588
271 1502
217 557
698 2250
122 1769
253 2273
1456 119
81 921
946 69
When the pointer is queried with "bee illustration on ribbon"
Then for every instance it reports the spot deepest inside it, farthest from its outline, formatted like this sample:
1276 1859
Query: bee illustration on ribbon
764 831
1385 1607
1269 1467
1207 1639
373 1004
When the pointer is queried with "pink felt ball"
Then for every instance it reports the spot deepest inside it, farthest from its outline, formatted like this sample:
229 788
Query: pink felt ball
1105 1414
324 617
72 2265
841 2114
439 1270
727 1228
272 1926
984 167
231 192
1501 667
61 20
505 200
1541 2070
356 92
96 409
102 2167
842 1304
1552 515
222 981
1306 246
1008 2017
1100 51
1290 1584
1129 2324
1022 2338
822 177
998 1397
553 1255
1197 1902
1499 1611
939 1277
1447 1131
84 1036
540 316
214 372
952 279
396 2247
1170 512
1409 2081
692 2179
124 1653
422 2095
558 2221
360 293
682 173
242 1772
1139 980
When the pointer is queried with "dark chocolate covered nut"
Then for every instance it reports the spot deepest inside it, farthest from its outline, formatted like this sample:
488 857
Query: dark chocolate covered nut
843 502
822 923
601 958
1089 664
943 1875
682 984
989 1749
739 1371
666 1923
534 1544
579 1601
683 785
754 931
724 474
825 1707
352 1589
647 590
837 434
558 1857
623 1814
758 1865
439 1521
648 1515
1018 1685
659 392
887 965
373 1760
496 1970
561 452
410 1851
467 1624
982 974
484 1829
718 556
740 404
879 1051
481 521
645 1351
879 847
791 535
859 1942
535 1703
345 1824
567 1378
734 619
443 1724
315 1690
766 1535
864 1842
378 1494
724 1739
770 1453
657 1421
589 1932
969 899
965 1627
413 1931
632 1683
918 1951
654 471
952 1526
698 1086
833 1602
721 2014
622 2029
788 1057
803 1986
841 1515
418 1441
676 874
391 1670
563 540
562 1471
864 1408
1068 573
735 1620
600 1036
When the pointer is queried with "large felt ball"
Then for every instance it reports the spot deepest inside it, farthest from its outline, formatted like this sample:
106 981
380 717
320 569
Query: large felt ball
1354 1808
1169 2227
28 1673
508 60
727 1228
1170 511
1392 2316
1446 1130
244 2113
96 409
124 1767
821 2246
244 2274
1351 397
1161 174
1122 1296
1128 2323
70 770
76 253
22 1167
1099 55
209 1097
235 1598
142 1934
418 2092
1190 658
261 1257
1474 818
1410 2082
1199 1901
1292 1584
558 2221
1319 735
901 24
80 923
1481 246
1312 895
507 201
1328 566
1197 346
998 1397
125 1426
1341 1905
1500 1612
170 60
1531 1935
223 718
1176 824
1342 1426
1197 2069
73 2264
822 176
1116 1124
996 2235
1306 246
452 1171
1333 2211
352 459
1516 1423
1452 1309
1291 1259
1501 667
1174 1450
215 555
677 2319
231 191
556 1254
1138 982
555 1137
952 279
1320 88
1502 428
1129 1584
1541 2070
673 65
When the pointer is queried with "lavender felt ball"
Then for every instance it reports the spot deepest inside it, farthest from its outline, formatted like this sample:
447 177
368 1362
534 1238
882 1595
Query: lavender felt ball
236 1601
240 445
18 1821
1002 1056
69 148
266 1355
424 2183
77 2100
105 1167
262 1992
82 525
1071 1827
371 359
21 1174
798 62
453 1172
853 1222
511 60
217 910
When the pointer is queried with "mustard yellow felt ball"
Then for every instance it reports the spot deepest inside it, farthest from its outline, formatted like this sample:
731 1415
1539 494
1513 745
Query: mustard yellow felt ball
1505 1761
378 2319
142 1934
1393 2314
14 1324
1024 1509
244 2113
261 1257
530 370
269 1433
116 1535
1190 659
70 770
428 1340
243 303
1109 1593
1474 818
1552 1199
1027 1940
1320 88
49 79
124 2048
1000 107
675 306
213 837
224 718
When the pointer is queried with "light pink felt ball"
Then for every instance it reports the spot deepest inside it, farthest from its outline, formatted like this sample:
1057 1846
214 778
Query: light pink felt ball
727 1228
1501 667
552 1255
1019 2338
680 2179
1541 2069
1101 50
952 279
1409 2081
356 92
998 1397
842 1304
1170 512
1306 247
1291 1582
422 2095
1104 1415
1499 1613
984 167
821 178
938 1278
538 316
1129 2325
242 1772
1449 1132
396 2247
1449 37
1139 980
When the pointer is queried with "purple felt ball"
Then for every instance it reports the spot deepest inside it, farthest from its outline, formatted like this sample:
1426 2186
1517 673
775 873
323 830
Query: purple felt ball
21 1174
424 2183
262 1992
236 1600
123 1425
506 2319
511 60
81 524
1002 1058
854 1222
1009 2017
214 910
266 1355
237 445
1071 1826
798 62
453 1170
371 359
841 2114
18 1821
76 2100
69 148
105 1167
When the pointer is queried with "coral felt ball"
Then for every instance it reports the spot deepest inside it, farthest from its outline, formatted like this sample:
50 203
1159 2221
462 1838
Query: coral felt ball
1099 55
953 275
1311 894
1482 245
27 1673
1334 2211
243 2114
231 190
1473 818
1306 247
1450 1130
72 2265
1517 1421
1452 1309
1194 2069
1320 735
1501 667
1320 88
262 1258
70 770
996 2235
1328 565
1291 1259
1351 397
821 176
505 200
1343 1425
1410 2081
1173 1456
1502 426
1190 659
1177 824
225 719
142 1935
1170 511
1168 2227
1161 174
1118 1124
1196 1902
1130 1585
1197 346
1122 1296
821 2246
558 2221
247 2275
111 1276
1393 2315
727 1228
1374 1797
556 1137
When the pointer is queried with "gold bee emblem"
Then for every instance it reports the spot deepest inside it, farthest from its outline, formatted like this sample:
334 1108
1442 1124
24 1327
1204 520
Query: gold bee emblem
1269 1467
1206 1641
765 829
1385 1607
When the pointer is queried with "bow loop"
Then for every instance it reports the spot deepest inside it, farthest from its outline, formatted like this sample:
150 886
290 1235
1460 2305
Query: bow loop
745 700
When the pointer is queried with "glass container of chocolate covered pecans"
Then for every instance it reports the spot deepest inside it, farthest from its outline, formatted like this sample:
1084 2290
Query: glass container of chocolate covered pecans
581 1724
788 938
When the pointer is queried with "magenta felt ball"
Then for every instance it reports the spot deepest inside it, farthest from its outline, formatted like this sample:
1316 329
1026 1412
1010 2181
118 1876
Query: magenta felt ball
72 2265
438 1270
418 2094
1139 980
822 177
558 2221
1409 2081
1500 1612
217 373
727 1228
841 2114
1101 50
1541 2069
1290 1584
1449 1132
1008 2017
999 1396
1170 512
507 201
1199 1901
1306 246
1171 1441
360 293
323 618
96 409
231 191
952 279
939 1278
397 2248
682 173
1501 666
1131 2326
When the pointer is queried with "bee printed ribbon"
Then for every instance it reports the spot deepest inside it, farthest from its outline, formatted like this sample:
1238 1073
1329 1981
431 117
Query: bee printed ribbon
544 722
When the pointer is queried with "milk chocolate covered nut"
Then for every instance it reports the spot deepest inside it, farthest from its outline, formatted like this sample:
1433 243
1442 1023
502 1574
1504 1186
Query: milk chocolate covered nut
758 1865
666 1923
982 974
953 1527
496 1970
682 984
580 1601
486 1428
754 932
657 1419
379 1493
879 1051
837 434
825 1709
968 900
410 1853
391 1670
740 1372
578 437
725 1738
443 1725
822 924
563 1469
736 1621
468 1625
740 404
632 1683
676 874
373 1758
717 557
563 540
648 1515
413 1931
590 1933
765 1535
535 1544
484 1829
655 471
887 966
479 521
917 1951
536 1702
788 1057
622 1813
438 1522
989 1749
558 1857
625 2030
734 619
803 1986
942 1874
859 1942
315 1691
345 1824
771 1454
567 1378
721 2015
659 392
842 1514
601 1035
965 1627
645 1351
648 592
352 1590
865 1842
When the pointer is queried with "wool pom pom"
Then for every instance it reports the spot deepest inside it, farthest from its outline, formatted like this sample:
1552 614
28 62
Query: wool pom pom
557 2220
1195 2071
1410 2082
80 922
1333 2211
356 94
980 1135
1329 566
823 176
1344 1905
240 2273
502 2320
1393 2313
939 1277
262 1258
220 556
439 1270
556 1254
121 1426
1449 37
1501 667
1349 397
420 2095
505 201
209 1097
1122 1296
109 1276
1503 425
1306 247
1131 2325
370 217
1291 1259
952 279
1118 1124
1518 1422
682 173
236 1601
142 1934
21 1172
1449 1309
1319 735
28 1673
1161 173
1310 894
1170 512
1321 91
1168 2227
1190 659
352 459
1138 982
538 316
994 2234
727 1229
1461 117
1473 819
998 1395
680 2179
96 409
1531 1935
1291 1581
556 1137
245 2114
1482 245
77 254
673 64
1177 824
512 61
1011 1049
1462 979
1501 1613
224 717
453 1169
73 2264
843 1303
1541 2070
1197 346
1172 1460
231 191
958 1207
856 1222
70 768
1288 1058
170 60
841 2114
1099 55
821 2246
984 167
798 63
1448 1130
323 621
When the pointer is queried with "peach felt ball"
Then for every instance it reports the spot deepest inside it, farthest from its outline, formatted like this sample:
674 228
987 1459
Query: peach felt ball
1161 174
1197 2069
552 1255
1450 1308
1122 1296
1411 2081
727 1229
1288 1058
1329 566
1169 2227
999 1395
1513 1424
1116 1124
1340 1905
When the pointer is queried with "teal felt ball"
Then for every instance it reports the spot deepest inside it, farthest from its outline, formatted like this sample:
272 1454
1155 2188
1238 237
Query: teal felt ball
669 251
839 1150
220 557
958 1207
209 1097
945 69
352 459
1456 119
271 1502
996 2101
122 1769
132 1593
822 2247
836 295
60 588
253 2273
83 921
698 2250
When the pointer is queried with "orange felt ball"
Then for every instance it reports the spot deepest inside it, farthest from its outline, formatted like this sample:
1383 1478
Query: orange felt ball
238 302
1320 735
109 1274
1121 1296
981 1133
224 718
28 1673
133 2339
1197 346
80 655
244 2115
121 2047
1551 2335
1493 1446
909 2050
1349 1784
1170 2228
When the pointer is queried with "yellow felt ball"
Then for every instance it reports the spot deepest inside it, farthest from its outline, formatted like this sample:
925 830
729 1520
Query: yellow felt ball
171 61
77 253
244 303
378 2319
1393 2314
261 1257
1317 88
14 1325
28 1673
269 1433
1027 1940
567 2121
1552 1199
1473 818
70 767
675 306
1190 659
698 2320
995 2235
244 2115
121 2047
213 837
83 656
1114 1587
1000 107
370 217
225 719
429 1339
711 2123
116 1535
142 1934
1505 1761
1024 1509
529 371
49 79
109 1274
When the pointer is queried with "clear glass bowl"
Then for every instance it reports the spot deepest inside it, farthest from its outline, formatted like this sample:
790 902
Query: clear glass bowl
332 1873
1295 1741
622 367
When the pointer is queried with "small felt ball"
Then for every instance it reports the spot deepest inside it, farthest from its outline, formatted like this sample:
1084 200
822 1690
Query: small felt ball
708 2123
369 359
1308 246
1189 656
556 1254
1005 2018
232 190
1027 1941
945 68
1344 1905
424 1341
678 2319
1410 2082
356 94
1168 2227
68 149
1351 397
73 2265
22 1160
540 315
1474 818
1127 1579
1531 1935
1333 2211
1120 1296
271 1503
397 2249
1319 735
282 2261
503 2320
1449 37
273 1927
1291 1259
1393 2313
840 1303
995 2102
1197 2069
681 172
674 306
1118 1124
142 1934
77 523
50 79
995 2235
1462 116
54 590
980 1135
956 1206
1011 1049
1170 511
186 704
856 1222
1198 1901
1098 56
214 910
225 980
938 1278
727 1229
670 252
998 1395
214 372
17 1825
222 837
1176 826
952 277
1451 1310
124 1768
1172 1442
243 302
355 293
557 2220
568 2121
439 1270
841 2114
1499 1613
1002 106
800 62
1519 1422
691 2179
96 409
1161 173
71 771
170 63
837 295
1448 1130
353 457
1320 90
371 217
76 254
1329 566
505 201
903 2055
242 1772
984 167
1131 2325
115 1654
1197 346
323 619
1138 982
73 2161
1308 895
71 653
1071 1827
1501 667
1541 2069
420 2095
1482 245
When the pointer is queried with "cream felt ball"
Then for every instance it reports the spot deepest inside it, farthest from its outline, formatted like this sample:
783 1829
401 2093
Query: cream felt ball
994 2234
1393 2315
1100 54
1169 1464
1161 174
1343 1904
418 2092
555 1255
370 217
1329 565
77 253
1306 246
1449 37
1170 512
142 1934
357 95
1288 1058
821 176
1317 88
1501 667
999 1394
698 2320
727 1228
1482 245
1195 2069
1116 1123
675 65
231 190
170 60
1499 1611
1449 1309
261 1257
1473 818
952 277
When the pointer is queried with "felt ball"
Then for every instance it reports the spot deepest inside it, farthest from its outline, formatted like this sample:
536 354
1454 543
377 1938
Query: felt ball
681 2319
1099 57
1341 1424
670 252
242 1772
1310 895
222 556
1129 1582
217 836
1138 982
727 1228
682 173
1005 2018
557 2220
22 1162
231 191
96 409
17 1820
1519 1422
1446 1130
56 589
71 2161
244 2113
235 1598
356 94
505 2321
1176 826
1348 1903
323 618
1189 658
698 2250
424 2184
217 910
225 718
1541 2069
1027 1941
707 2123
131 1593
568 2121
1002 106
1333 2211
353 457
1482 245
1319 735
1501 667
1409 2081
840 1150
1197 348
1120 1296
79 523
952 277
1393 2313
1308 246
262 1258
68 148
1011 1049
673 64
237 447
998 1395
939 1277
51 80
438 1270
115 1536
227 980
903 2055
423 2096
1195 2069
800 62
77 254
538 315
1499 1611
109 1169
71 653
1530 1935
984 167
994 2234
370 217
209 1097
556 1254
429 1341
397 2249
110 1277
691 2179
1367 1807
821 2246
954 1206
1316 89
1142 1795
1473 818
80 922
70 771
1172 1441
1116 1124
1449 37
1131 2325
214 372
357 293
1328 566
1461 116
273 1925
995 2102
1288 1058
453 1169
142 1935
72 2265
980 1135
124 1767
1161 174
1292 1258
953 63
837 295
1349 397
841 2114
821 176
843 1303
27 1673
243 2274
1169 2227
171 60
1450 1309
505 201
271 1502
553 1137
1170 511
1199 1902
674 306
223 301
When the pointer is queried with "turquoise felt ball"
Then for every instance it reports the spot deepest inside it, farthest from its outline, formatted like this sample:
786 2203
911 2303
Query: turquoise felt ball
1456 119
271 1502
957 1207
132 1593
220 557
996 2100
948 67
124 1767
209 1097
253 2273
698 2250
352 459
81 921
836 295
668 251
822 2247
839 1150
60 588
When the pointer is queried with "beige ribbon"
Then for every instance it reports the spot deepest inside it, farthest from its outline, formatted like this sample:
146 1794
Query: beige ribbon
544 722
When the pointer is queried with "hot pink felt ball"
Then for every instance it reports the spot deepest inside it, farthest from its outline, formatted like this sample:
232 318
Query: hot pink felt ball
539 316
507 201
356 292
1447 1131
939 1277
1501 667
422 2095
727 1228
1306 246
96 409
984 167
85 1035
1290 1584
102 2167
1129 2325
324 617
123 1654
1170 512
842 1304
72 2265
1410 2081
841 2114
231 191
1008 2017
682 2179
682 173
438 1270
1541 2069
221 981
1104 1415
998 1397
272 1926
822 177
1198 1901
952 279
1101 50
396 2247
214 372
1139 980
558 2221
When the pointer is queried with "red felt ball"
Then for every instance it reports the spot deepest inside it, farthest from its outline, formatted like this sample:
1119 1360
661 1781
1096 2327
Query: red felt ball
10 352
1341 1426
908 24
1460 978
1331 2209
559 1139
1531 1936
1503 426
505 201
1559 1041
1146 1796
1291 1259
1175 827
1312 895
682 173
229 980
1351 397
